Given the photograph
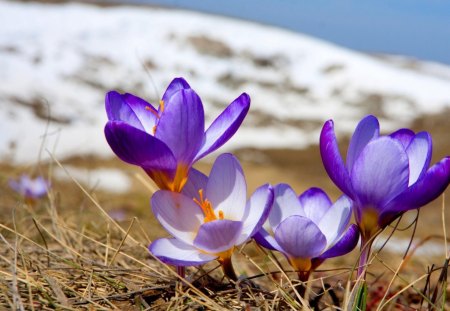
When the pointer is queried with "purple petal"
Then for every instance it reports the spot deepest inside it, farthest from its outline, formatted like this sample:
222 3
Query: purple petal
225 125
181 125
139 148
176 85
130 109
428 188
256 212
175 252
299 237
366 130
332 160
336 219
403 136
419 155
178 214
263 238
315 203
285 204
345 244
226 188
380 173
218 235
196 181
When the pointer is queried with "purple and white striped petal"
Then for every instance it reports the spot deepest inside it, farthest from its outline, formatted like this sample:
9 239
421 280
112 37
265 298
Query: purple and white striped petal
136 147
332 159
178 214
344 245
218 235
175 86
181 125
380 173
419 155
175 252
299 237
226 188
334 222
225 125
256 212
403 136
315 203
285 204
366 130
265 239
428 188
196 181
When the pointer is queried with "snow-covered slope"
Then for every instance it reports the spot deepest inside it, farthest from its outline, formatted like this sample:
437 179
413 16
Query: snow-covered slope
60 60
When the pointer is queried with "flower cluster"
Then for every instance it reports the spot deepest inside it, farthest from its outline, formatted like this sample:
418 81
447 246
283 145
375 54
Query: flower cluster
208 216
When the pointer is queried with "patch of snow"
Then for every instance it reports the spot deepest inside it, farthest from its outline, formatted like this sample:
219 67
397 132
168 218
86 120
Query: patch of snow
112 180
60 60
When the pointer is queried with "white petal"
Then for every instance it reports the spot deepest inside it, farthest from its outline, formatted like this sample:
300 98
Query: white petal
226 188
336 219
285 204
178 214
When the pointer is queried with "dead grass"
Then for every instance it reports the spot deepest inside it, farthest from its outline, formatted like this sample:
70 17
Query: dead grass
67 253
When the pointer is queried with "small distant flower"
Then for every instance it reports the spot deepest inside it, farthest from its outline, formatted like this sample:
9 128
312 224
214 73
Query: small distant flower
385 176
210 217
308 229
30 188
166 141
118 215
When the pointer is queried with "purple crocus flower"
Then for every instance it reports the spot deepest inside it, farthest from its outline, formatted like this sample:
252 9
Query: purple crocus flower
30 189
383 175
308 229
210 217
166 141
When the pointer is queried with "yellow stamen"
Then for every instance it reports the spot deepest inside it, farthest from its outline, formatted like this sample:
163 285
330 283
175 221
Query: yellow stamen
161 105
207 208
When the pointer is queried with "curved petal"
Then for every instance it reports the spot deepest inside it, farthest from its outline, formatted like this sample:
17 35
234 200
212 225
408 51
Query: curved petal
176 85
196 181
336 220
139 148
366 130
181 125
380 173
332 160
178 214
263 238
285 204
428 188
403 136
256 212
315 203
175 252
344 245
299 237
225 125
226 188
419 155
130 109
218 235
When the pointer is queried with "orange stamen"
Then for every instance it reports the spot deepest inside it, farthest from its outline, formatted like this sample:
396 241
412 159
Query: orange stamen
161 105
207 208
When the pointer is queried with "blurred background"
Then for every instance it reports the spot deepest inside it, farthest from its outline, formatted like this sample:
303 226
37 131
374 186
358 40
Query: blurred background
301 62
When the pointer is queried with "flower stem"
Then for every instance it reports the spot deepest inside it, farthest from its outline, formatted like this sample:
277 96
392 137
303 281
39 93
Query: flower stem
303 276
227 268
181 271
366 245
